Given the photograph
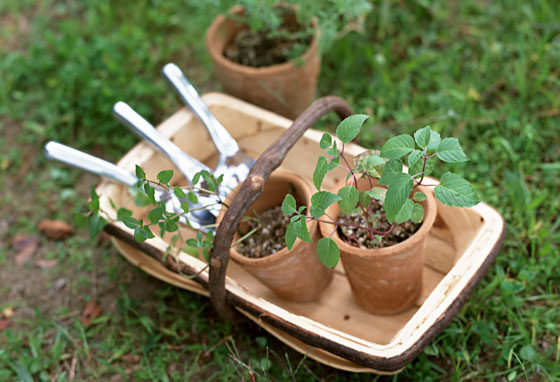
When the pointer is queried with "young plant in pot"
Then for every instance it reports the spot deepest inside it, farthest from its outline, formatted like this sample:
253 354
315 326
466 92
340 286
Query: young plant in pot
268 52
292 272
377 219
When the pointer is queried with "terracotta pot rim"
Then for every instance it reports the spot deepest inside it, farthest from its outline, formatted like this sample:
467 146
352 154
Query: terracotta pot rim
303 185
430 211
219 57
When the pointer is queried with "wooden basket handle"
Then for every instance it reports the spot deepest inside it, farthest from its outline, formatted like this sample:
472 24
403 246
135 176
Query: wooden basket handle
252 188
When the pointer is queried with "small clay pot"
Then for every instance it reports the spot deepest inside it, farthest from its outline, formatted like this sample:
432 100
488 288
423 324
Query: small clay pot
286 88
296 274
385 280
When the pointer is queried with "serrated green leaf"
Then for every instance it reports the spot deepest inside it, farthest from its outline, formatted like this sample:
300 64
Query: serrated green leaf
179 192
320 201
423 136
364 199
348 199
453 190
398 192
328 252
289 205
419 196
450 151
156 214
418 213
140 174
414 157
165 176
326 141
192 197
405 212
397 147
392 167
303 232
435 139
292 232
320 171
349 128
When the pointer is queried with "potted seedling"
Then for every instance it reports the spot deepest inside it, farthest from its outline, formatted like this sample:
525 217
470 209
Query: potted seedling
268 53
378 218
293 273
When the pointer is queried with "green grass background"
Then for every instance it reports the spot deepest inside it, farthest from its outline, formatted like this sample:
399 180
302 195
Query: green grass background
487 72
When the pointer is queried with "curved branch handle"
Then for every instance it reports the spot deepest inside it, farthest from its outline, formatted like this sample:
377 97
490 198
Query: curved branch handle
252 188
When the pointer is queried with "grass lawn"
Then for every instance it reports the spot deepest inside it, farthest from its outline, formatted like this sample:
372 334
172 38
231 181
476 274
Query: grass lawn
487 72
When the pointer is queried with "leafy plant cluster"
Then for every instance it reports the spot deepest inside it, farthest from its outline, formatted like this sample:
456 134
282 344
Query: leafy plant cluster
333 17
154 194
385 169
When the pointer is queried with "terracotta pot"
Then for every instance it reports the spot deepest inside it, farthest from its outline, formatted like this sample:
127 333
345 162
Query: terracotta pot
385 280
286 89
296 274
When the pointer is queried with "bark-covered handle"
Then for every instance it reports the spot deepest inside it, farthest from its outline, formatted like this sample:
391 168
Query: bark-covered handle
252 188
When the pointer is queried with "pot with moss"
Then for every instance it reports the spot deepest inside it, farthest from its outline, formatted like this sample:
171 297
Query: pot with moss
377 220
260 247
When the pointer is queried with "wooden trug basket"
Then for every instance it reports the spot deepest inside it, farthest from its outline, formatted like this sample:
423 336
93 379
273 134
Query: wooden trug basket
333 330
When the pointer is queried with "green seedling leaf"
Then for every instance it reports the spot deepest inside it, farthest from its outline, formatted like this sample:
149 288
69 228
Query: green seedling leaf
348 199
371 164
143 233
192 197
328 252
426 137
378 193
364 199
333 163
397 147
419 196
392 167
453 190
179 192
320 201
418 213
435 139
333 151
398 191
80 220
320 171
303 232
349 128
450 151
405 213
123 213
93 204
140 174
289 205
196 178
418 166
150 193
292 232
156 214
414 157
95 225
192 243
185 206
326 141
165 176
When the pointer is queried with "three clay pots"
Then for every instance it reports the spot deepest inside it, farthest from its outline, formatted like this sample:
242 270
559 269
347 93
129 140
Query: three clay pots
385 280
286 88
296 274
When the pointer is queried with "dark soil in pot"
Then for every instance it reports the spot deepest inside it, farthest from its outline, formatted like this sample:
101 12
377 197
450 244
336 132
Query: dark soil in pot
266 48
359 237
269 238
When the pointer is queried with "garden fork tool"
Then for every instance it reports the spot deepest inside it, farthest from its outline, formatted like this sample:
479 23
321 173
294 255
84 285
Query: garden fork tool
232 163
76 158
